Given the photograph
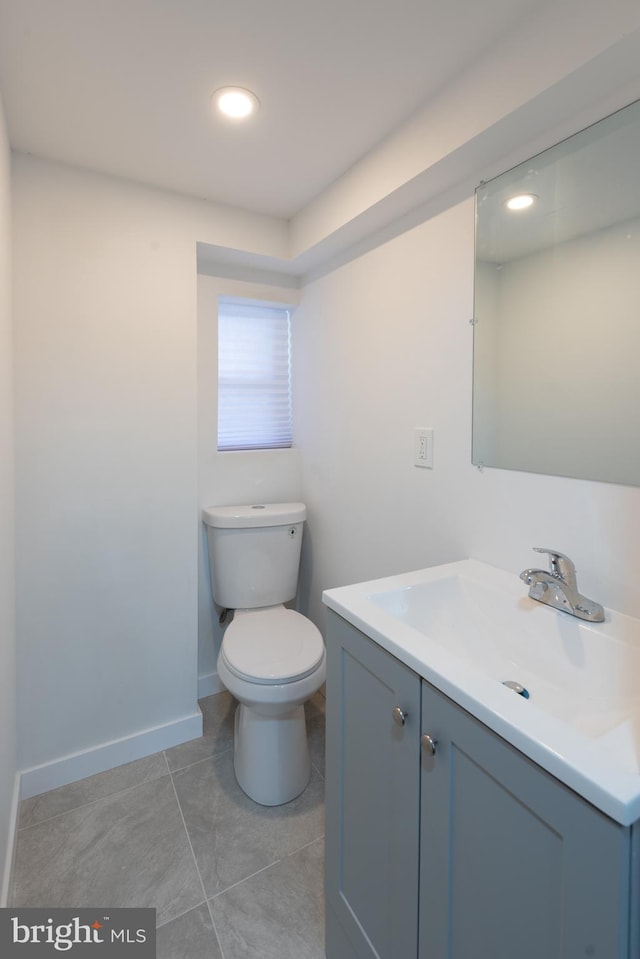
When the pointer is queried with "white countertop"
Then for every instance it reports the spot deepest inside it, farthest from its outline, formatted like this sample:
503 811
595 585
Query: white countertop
597 757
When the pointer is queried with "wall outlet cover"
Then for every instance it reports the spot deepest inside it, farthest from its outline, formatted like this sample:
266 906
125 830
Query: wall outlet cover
423 447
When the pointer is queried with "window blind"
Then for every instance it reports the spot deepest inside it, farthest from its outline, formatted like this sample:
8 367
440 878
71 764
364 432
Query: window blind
254 377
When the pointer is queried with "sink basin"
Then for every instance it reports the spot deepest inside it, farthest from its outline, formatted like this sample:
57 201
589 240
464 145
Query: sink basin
468 628
564 663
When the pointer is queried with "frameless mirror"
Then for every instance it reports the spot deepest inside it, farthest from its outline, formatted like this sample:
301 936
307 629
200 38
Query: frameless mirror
556 370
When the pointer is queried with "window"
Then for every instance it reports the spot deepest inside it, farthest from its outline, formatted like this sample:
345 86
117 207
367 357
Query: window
254 376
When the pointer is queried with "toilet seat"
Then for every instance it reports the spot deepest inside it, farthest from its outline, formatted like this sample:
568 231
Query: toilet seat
272 646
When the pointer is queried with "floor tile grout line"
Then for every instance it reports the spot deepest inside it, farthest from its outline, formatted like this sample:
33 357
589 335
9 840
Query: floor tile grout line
321 774
195 861
181 915
300 848
270 865
205 759
91 802
215 931
215 755
246 878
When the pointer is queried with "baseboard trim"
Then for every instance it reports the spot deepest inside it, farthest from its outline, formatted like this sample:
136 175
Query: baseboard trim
209 684
12 837
69 769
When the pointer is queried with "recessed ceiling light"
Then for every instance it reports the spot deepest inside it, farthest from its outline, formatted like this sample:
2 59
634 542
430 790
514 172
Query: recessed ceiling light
235 102
521 202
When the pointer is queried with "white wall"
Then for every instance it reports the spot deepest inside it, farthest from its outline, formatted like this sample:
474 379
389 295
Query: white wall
8 777
382 346
106 460
225 479
385 345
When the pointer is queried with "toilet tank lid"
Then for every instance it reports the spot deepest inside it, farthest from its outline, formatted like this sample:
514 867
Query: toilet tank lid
259 514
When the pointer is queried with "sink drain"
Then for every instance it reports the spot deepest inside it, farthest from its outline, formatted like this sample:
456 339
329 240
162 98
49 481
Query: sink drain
516 687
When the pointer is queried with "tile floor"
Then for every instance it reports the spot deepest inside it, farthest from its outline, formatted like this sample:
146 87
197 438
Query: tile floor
229 879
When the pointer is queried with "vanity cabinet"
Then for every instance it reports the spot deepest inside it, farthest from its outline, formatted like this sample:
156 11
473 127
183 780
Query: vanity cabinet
372 799
472 852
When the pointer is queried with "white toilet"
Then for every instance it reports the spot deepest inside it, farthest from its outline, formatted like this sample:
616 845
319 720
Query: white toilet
272 659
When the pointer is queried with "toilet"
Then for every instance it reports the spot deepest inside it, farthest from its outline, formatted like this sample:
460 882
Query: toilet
272 658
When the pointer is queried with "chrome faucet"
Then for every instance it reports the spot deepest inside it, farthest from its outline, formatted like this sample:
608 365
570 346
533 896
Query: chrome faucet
559 587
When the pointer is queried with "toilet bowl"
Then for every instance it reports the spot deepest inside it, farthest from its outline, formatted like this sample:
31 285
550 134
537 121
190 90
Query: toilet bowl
272 660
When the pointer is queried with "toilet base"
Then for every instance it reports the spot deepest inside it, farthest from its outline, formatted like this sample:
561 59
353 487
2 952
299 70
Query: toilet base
271 753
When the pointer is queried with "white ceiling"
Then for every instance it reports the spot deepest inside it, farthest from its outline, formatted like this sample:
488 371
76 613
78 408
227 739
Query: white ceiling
123 86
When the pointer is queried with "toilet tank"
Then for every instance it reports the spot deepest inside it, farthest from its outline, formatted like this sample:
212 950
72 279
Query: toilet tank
254 553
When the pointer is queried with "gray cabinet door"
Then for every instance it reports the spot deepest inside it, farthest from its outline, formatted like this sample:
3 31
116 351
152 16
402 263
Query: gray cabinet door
512 862
372 799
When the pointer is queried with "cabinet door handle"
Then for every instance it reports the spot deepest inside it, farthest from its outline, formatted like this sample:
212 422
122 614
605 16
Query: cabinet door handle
399 716
429 743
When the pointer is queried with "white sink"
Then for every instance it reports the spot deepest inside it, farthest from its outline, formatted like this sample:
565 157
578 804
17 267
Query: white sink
468 627
577 671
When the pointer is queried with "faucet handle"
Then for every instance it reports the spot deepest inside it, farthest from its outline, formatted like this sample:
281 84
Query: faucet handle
560 565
